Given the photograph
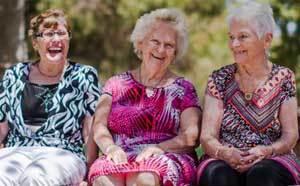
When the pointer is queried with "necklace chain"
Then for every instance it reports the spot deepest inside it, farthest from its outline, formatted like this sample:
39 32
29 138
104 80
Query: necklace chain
149 89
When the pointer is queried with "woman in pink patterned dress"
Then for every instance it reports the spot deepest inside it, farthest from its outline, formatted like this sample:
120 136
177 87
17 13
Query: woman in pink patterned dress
250 112
147 120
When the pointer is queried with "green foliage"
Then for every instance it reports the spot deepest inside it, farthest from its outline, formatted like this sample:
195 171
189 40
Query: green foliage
102 28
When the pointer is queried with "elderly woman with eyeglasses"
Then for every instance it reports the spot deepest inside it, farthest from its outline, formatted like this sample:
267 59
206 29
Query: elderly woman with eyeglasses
250 112
45 108
146 122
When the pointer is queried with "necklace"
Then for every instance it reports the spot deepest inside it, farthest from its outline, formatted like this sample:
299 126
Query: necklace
150 89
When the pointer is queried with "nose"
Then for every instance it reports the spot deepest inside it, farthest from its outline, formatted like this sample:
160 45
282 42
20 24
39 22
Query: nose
161 48
55 37
235 42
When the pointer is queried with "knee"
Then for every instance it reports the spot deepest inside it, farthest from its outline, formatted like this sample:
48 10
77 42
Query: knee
110 180
218 173
147 179
101 181
30 178
261 173
218 168
261 169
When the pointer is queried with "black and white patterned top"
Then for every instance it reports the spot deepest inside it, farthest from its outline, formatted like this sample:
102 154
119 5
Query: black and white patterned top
75 98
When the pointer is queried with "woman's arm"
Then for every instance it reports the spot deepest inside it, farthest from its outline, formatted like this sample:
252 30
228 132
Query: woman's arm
102 135
209 138
3 131
91 148
185 142
289 127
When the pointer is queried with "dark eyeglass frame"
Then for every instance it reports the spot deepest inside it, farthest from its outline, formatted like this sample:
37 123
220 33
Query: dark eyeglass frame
41 34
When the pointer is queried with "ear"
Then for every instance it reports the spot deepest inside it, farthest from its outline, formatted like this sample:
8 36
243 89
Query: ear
34 44
268 39
140 45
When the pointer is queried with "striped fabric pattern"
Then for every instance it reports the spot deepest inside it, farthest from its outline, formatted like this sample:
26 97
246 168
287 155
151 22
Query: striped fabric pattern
137 121
247 124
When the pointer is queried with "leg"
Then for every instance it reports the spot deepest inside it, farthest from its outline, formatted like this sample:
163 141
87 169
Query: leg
219 173
142 179
110 180
269 173
13 162
53 167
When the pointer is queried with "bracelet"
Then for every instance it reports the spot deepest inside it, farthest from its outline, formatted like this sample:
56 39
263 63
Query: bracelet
273 151
217 152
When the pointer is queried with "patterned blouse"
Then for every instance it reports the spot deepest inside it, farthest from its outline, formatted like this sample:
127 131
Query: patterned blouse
75 98
246 124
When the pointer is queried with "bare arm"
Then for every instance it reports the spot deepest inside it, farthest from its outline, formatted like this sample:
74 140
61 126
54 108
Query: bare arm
3 131
186 141
211 122
102 135
289 124
91 148
209 138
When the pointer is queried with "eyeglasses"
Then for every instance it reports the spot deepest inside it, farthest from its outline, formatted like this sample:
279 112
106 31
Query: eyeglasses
51 34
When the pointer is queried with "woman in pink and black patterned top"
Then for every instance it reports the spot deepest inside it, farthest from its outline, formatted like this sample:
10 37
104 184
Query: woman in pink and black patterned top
147 120
250 112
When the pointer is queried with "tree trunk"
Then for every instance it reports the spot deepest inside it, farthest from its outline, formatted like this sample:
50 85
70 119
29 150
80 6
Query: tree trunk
12 33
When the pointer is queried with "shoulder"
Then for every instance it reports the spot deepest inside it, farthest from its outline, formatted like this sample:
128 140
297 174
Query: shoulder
17 69
282 72
77 67
224 73
184 82
124 76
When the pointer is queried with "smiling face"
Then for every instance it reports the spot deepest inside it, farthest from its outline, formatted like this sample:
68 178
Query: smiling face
159 46
52 43
244 43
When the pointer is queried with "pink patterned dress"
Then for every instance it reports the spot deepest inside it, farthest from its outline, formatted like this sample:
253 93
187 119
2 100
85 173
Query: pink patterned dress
137 121
246 124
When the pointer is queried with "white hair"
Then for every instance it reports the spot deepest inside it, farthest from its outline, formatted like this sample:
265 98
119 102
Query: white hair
169 15
257 14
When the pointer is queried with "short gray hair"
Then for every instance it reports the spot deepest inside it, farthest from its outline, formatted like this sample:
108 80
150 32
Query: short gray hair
258 14
168 15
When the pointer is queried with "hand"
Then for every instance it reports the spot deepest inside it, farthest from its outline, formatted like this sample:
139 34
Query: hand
234 157
151 151
255 155
116 154
83 183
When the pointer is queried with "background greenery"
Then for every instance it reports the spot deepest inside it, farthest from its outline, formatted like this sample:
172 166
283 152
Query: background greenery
101 31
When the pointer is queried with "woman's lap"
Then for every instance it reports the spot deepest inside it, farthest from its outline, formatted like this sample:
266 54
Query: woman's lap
262 173
40 166
170 168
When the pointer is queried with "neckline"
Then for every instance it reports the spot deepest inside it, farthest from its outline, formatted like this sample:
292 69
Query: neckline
254 93
162 87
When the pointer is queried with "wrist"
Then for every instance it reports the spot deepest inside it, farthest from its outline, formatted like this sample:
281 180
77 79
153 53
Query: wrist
273 154
159 146
109 148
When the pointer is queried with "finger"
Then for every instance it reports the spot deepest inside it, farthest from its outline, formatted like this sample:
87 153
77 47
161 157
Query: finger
140 157
108 157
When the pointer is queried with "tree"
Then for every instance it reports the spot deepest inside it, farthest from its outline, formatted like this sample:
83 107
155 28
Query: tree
13 47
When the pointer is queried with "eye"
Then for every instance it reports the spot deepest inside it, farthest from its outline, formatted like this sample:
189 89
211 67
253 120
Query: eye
244 36
170 46
48 34
62 33
231 37
154 41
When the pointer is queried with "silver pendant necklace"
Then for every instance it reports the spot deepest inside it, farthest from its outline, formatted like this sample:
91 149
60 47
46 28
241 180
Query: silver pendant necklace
150 89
